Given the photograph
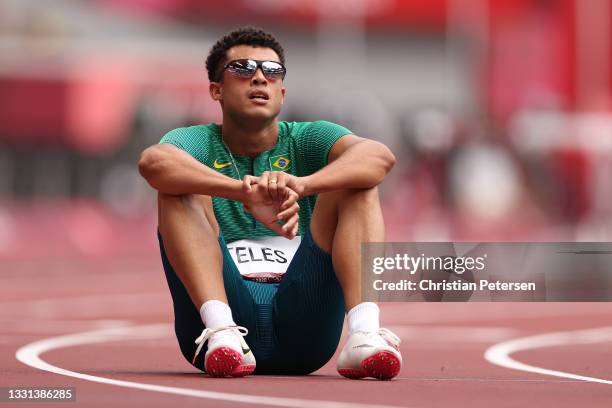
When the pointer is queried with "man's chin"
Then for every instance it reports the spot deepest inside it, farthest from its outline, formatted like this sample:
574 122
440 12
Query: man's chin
258 115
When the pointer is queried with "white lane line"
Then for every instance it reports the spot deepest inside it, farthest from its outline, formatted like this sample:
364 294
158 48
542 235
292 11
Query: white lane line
30 355
466 379
499 354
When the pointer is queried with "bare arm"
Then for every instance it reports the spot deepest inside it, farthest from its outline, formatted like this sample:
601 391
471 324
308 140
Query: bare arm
354 162
170 170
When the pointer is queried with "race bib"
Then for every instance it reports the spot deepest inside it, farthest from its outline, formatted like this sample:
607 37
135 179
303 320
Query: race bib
263 259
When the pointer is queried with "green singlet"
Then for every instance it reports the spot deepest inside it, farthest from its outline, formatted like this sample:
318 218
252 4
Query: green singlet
302 149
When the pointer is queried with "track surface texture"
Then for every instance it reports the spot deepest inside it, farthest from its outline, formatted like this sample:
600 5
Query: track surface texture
104 326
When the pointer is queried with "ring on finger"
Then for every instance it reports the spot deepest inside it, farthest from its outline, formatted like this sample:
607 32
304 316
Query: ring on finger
272 181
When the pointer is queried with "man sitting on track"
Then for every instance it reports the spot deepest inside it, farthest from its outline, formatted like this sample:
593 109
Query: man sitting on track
237 261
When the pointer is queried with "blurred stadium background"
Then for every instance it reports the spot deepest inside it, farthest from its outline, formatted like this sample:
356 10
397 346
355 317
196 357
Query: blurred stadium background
499 111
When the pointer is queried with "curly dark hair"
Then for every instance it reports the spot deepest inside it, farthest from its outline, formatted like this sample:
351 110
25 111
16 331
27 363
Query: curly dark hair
248 35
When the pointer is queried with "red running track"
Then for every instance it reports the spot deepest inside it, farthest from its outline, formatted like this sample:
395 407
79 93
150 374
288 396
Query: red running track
126 303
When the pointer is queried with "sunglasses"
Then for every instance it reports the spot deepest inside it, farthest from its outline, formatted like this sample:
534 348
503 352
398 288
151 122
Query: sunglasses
246 68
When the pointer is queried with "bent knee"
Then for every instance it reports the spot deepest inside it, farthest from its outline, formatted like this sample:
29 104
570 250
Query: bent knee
189 205
361 197
191 201
184 202
350 195
367 193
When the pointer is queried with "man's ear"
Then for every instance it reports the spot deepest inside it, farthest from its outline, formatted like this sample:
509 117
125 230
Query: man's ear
216 91
283 90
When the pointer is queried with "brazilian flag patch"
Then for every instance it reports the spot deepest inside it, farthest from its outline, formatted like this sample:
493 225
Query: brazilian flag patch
279 163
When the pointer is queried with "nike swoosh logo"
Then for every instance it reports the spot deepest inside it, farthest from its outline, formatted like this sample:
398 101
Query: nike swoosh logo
218 165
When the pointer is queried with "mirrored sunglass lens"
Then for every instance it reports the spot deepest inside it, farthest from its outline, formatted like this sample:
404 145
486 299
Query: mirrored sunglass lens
273 69
243 67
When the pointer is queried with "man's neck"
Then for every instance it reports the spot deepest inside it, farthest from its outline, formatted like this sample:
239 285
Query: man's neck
249 141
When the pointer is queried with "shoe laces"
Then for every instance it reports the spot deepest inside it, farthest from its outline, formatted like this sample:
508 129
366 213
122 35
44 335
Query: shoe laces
208 333
390 337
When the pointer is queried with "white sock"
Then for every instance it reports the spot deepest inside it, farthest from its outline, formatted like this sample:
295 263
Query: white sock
216 314
363 317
